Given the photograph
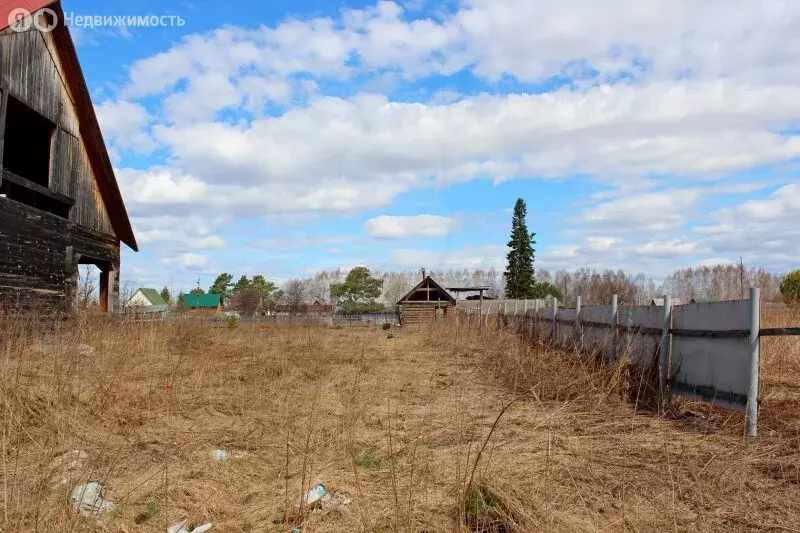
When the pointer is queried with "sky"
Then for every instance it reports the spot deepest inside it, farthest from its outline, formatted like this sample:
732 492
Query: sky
283 138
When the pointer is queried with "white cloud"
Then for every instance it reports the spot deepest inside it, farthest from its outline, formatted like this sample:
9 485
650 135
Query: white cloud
169 233
527 39
207 93
159 187
641 213
763 232
301 241
397 227
351 153
678 93
469 257
124 123
347 155
188 261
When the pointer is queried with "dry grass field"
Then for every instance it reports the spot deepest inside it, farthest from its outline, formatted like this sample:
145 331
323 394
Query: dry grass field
408 427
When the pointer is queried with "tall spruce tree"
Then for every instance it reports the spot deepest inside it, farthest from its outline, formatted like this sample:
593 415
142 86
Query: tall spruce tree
520 282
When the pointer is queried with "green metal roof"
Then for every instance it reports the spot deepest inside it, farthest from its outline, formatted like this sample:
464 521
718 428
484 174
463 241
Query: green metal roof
205 301
153 296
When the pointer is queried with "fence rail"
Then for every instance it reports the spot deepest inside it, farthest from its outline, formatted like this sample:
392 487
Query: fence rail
708 351
329 319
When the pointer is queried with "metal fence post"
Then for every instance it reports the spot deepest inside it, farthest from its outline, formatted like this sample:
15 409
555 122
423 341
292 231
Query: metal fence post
755 357
614 325
663 363
555 320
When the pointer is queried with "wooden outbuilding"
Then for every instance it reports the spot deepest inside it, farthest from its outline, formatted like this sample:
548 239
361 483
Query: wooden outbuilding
425 303
60 204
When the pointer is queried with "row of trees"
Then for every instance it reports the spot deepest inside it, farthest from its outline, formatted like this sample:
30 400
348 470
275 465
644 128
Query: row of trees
361 291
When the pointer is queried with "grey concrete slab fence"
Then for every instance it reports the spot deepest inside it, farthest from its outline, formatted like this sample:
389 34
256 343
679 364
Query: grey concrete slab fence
708 351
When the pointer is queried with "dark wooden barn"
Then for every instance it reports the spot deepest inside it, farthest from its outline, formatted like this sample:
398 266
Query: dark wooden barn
60 205
425 303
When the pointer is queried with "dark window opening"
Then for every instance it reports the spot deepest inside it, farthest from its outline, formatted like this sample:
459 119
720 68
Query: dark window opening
26 149
27 196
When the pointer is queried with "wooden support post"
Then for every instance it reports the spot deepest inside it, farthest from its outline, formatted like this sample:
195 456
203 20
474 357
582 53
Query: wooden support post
105 278
3 112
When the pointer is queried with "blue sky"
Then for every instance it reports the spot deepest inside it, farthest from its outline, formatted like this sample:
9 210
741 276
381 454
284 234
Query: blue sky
287 137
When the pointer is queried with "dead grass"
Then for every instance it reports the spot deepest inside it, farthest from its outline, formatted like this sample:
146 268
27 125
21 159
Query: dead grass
400 425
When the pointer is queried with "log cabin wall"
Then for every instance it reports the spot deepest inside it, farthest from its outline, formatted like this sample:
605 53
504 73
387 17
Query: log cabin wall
425 303
414 314
39 250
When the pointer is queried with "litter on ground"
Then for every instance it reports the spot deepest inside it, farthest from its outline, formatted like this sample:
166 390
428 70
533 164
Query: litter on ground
183 527
89 499
220 455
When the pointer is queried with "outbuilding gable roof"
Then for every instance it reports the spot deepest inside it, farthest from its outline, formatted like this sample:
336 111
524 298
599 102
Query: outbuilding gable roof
428 285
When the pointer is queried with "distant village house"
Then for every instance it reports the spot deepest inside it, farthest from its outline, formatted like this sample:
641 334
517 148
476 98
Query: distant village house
147 302
316 308
202 304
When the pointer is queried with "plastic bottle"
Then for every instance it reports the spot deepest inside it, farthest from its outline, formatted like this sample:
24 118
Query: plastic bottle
315 494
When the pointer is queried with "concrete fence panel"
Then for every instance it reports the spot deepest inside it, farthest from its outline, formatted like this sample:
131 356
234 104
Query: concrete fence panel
598 338
711 352
641 338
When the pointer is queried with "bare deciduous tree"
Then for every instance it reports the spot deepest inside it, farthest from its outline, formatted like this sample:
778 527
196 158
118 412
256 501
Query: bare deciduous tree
247 302
295 292
87 287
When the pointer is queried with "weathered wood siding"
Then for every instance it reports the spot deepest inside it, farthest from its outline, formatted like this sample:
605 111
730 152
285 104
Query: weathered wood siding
33 74
416 313
39 255
40 252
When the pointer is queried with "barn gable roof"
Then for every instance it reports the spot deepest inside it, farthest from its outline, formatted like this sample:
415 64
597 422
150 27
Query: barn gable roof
89 126
428 284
